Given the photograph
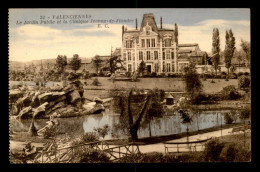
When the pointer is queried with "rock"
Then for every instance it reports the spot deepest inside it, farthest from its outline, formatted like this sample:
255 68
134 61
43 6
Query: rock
60 99
59 105
93 108
23 102
45 97
25 113
14 95
67 89
68 111
32 130
40 110
98 100
56 88
74 97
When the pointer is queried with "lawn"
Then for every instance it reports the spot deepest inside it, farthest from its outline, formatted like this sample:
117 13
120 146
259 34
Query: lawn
167 84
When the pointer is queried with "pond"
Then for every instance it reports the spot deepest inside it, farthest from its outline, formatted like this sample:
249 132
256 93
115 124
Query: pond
167 125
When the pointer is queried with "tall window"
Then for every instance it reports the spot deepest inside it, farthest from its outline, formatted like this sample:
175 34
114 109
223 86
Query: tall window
124 56
129 67
148 55
129 55
143 43
155 55
167 42
156 67
167 54
128 44
153 42
140 55
172 67
172 54
148 42
163 69
163 55
168 67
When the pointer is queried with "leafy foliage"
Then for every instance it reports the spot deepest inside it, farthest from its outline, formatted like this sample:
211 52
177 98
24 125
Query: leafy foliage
102 131
230 93
75 62
229 49
142 68
192 80
96 82
245 113
97 62
216 49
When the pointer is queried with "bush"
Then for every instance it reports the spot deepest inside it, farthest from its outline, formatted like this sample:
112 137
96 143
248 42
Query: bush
89 137
72 76
246 73
213 149
234 152
230 93
93 75
239 74
154 74
101 74
96 82
228 118
245 113
244 82
128 74
233 76
94 156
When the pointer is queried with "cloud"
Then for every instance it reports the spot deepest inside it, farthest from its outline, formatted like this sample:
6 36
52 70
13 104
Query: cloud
201 32
31 42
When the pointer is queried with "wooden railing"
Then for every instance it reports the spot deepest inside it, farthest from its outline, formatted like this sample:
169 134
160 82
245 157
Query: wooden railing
66 154
180 147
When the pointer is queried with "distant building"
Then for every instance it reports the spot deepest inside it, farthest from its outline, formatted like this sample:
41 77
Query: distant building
157 47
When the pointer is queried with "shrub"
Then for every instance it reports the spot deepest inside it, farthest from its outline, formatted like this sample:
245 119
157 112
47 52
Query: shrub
154 74
223 73
245 113
102 132
239 74
230 93
93 75
244 82
128 74
213 149
246 73
96 82
101 74
89 137
94 156
233 76
228 118
72 76
234 152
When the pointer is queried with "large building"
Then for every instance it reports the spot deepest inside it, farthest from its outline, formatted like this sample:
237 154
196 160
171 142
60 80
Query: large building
157 47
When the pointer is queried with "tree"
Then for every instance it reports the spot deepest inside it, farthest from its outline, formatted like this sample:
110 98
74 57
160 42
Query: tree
97 62
75 62
114 63
142 68
246 48
229 49
61 63
192 80
134 114
216 49
176 33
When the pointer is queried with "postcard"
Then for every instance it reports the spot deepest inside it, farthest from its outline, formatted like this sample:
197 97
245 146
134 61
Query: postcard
129 85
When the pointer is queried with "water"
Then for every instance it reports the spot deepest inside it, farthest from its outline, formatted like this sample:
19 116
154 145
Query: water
31 83
166 125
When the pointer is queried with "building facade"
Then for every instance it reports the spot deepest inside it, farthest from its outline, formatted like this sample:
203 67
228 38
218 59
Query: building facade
155 46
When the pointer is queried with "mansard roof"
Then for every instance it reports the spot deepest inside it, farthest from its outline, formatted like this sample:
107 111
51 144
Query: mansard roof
149 18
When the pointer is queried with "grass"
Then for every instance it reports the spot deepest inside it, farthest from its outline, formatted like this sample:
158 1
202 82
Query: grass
167 84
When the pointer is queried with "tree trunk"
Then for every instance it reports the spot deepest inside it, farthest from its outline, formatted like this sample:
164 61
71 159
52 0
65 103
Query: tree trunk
150 132
134 135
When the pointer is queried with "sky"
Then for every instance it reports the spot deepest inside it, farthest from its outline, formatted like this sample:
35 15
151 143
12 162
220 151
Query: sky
31 41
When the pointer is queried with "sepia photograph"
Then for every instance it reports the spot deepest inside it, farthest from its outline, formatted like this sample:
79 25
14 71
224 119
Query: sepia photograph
144 85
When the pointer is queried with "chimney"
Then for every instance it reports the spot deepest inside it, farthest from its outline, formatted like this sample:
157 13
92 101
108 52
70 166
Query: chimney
123 29
161 22
136 24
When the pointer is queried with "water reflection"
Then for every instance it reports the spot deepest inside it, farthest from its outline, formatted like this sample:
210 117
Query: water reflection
166 125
